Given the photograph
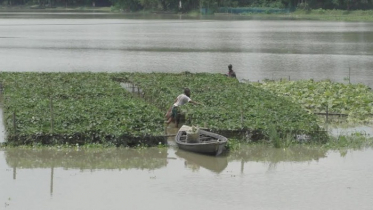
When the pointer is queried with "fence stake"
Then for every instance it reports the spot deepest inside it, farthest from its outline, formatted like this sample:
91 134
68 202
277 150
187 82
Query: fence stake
51 110
241 118
14 123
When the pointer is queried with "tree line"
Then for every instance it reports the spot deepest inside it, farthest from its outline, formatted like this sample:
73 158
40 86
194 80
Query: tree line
190 5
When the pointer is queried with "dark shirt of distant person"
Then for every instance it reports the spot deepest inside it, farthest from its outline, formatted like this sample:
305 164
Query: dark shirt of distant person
231 73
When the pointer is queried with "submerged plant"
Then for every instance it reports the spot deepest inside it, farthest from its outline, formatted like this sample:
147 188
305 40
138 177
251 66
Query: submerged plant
278 140
273 137
357 140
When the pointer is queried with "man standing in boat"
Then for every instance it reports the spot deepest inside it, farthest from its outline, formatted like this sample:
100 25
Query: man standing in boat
172 114
231 73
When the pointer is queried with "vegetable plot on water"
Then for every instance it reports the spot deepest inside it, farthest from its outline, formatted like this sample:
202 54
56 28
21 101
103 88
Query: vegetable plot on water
83 108
354 100
75 108
228 104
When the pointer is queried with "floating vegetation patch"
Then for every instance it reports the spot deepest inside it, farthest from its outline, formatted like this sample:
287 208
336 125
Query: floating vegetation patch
325 97
227 104
59 108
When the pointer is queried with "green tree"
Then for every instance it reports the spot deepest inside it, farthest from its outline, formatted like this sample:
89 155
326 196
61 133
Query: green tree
149 4
128 5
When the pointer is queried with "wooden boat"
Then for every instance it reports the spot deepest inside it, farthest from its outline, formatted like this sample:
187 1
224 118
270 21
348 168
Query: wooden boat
207 143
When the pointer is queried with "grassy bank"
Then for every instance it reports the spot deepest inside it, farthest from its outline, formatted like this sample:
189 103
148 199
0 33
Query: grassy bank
37 8
318 14
334 15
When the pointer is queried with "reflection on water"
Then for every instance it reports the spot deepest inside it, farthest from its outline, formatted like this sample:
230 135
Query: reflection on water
195 161
151 158
296 153
91 159
274 156
148 159
168 178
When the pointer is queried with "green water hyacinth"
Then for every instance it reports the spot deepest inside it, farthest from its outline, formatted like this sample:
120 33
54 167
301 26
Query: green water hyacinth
75 108
58 108
354 100
227 104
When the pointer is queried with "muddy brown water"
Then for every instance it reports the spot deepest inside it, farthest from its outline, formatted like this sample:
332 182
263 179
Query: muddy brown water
258 49
256 177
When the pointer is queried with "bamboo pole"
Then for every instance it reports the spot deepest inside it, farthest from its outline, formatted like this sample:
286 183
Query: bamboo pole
51 111
14 172
14 123
51 184
241 118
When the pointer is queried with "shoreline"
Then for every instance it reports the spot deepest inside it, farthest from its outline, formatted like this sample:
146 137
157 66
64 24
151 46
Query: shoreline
317 15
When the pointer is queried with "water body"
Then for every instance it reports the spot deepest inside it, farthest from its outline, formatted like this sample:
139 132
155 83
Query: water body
167 178
258 49
255 177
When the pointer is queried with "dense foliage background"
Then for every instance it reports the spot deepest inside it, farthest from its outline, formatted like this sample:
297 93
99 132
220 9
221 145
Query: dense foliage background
189 5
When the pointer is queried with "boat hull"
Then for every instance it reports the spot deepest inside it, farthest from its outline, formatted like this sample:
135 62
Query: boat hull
215 145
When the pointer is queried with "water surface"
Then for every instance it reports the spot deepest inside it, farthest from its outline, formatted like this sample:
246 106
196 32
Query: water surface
258 49
256 177
252 178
